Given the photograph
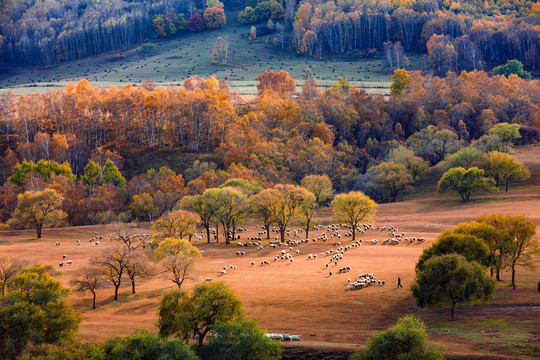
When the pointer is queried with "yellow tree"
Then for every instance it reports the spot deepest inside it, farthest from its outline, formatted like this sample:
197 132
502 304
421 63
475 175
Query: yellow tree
320 186
38 209
178 257
505 167
353 208
400 80
176 224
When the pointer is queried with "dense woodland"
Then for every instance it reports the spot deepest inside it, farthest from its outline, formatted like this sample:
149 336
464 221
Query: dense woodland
362 141
455 34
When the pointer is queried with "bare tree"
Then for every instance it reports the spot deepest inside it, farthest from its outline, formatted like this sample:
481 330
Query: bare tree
89 279
8 269
130 240
113 262
136 267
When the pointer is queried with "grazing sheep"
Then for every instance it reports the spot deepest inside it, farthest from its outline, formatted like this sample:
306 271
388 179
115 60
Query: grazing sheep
330 273
61 264
69 262
252 263
223 272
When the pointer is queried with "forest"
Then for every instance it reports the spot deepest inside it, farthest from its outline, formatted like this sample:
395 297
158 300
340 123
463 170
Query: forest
76 140
455 35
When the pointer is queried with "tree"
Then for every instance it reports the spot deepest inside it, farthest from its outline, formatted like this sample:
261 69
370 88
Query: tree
143 345
320 186
400 80
393 177
404 341
43 168
143 206
112 261
261 205
136 266
503 166
415 165
512 67
280 83
307 211
465 182
253 33
214 17
522 244
180 223
146 49
464 157
203 205
507 133
112 175
243 340
283 202
92 175
231 208
353 208
178 257
467 245
221 50
451 280
183 315
38 209
196 23
309 42
432 144
35 311
9 267
89 279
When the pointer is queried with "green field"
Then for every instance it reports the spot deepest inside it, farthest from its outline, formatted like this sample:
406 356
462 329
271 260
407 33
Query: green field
188 54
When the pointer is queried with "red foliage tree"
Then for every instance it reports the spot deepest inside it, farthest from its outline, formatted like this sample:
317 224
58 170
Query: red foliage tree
196 23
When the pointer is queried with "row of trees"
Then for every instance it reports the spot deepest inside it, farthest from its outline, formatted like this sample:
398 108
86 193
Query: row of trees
452 40
452 271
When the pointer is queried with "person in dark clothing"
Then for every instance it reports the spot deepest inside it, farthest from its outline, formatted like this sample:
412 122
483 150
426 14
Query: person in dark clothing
399 282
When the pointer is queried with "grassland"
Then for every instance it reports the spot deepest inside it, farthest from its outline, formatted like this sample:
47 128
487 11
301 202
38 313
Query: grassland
188 54
301 297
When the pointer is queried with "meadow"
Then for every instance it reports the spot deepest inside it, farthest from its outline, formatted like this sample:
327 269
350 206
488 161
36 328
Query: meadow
301 297
174 60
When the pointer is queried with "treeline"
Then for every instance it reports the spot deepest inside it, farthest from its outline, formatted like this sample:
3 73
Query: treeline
53 31
494 32
338 132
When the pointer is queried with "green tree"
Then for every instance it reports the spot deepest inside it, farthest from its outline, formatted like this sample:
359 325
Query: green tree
248 188
143 207
432 144
145 346
320 186
450 280
512 67
404 341
465 182
231 208
505 167
146 49
400 80
43 168
393 177
241 340
38 209
464 157
353 208
183 315
92 175
112 175
415 165
35 311
178 257
467 245
507 133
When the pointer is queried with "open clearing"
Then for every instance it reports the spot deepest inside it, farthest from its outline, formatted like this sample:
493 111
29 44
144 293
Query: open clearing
301 298
176 59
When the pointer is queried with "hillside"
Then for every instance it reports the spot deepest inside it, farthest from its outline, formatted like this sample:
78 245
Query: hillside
301 298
